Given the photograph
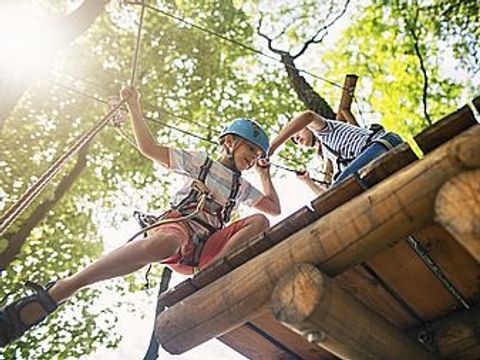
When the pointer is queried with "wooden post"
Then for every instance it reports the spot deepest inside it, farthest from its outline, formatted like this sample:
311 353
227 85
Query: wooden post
313 305
457 208
344 112
395 208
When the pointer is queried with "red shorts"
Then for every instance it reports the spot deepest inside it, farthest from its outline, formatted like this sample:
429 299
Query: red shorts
211 249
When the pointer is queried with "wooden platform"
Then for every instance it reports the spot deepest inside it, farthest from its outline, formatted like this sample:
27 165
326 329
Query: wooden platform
392 279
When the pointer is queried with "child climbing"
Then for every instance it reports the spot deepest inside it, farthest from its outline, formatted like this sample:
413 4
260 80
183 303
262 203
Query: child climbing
190 235
346 147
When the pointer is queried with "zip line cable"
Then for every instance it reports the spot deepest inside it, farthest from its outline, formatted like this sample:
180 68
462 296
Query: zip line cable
175 128
102 101
168 112
236 42
249 48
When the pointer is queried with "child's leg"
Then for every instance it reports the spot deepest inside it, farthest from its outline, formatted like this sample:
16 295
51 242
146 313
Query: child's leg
228 239
371 153
122 261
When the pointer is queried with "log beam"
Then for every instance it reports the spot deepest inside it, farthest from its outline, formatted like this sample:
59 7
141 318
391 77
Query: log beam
457 208
316 307
397 207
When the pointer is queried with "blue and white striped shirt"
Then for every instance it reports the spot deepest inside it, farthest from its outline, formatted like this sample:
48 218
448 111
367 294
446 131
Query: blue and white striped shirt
346 140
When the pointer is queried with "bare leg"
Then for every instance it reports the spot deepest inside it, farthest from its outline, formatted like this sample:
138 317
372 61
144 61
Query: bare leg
121 261
254 225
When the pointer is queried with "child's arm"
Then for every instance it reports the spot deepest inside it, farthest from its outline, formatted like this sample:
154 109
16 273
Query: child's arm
308 119
270 203
145 141
316 188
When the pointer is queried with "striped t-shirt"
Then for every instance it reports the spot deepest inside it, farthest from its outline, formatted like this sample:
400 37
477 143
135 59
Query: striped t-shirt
347 141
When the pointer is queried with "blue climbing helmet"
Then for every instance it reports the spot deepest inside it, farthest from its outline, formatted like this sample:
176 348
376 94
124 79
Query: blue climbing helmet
248 130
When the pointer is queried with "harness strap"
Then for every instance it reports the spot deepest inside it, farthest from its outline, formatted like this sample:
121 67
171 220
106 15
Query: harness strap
385 143
194 191
232 199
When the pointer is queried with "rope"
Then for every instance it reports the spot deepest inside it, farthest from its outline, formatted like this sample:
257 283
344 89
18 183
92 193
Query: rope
137 45
29 196
200 205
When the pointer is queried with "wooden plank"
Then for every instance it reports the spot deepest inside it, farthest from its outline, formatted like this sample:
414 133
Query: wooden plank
349 235
387 164
454 336
373 173
177 293
250 344
288 226
251 249
305 350
370 290
315 306
476 103
406 273
211 273
445 129
457 207
457 264
337 196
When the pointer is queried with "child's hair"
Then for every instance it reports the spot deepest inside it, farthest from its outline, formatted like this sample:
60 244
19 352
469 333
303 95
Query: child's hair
316 143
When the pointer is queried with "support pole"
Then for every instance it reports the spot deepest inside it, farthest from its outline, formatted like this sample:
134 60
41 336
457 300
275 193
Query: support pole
313 305
344 112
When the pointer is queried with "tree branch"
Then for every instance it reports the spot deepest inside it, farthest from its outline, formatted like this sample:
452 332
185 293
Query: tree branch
411 28
314 39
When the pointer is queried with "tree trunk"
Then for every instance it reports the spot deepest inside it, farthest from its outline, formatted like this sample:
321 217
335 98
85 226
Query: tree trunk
16 240
305 92
70 26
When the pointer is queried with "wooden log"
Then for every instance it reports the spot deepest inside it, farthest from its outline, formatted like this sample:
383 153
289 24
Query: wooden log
395 208
445 129
457 208
454 336
313 305
344 112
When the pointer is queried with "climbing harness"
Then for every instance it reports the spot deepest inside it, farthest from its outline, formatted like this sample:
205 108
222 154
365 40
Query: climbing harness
199 199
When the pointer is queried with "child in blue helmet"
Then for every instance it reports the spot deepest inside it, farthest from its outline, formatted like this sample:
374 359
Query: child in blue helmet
183 245
345 147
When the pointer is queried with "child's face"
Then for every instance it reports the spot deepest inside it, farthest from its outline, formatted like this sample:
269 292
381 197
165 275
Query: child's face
304 138
246 155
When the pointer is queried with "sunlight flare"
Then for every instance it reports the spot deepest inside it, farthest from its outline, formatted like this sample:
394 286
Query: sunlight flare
26 42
